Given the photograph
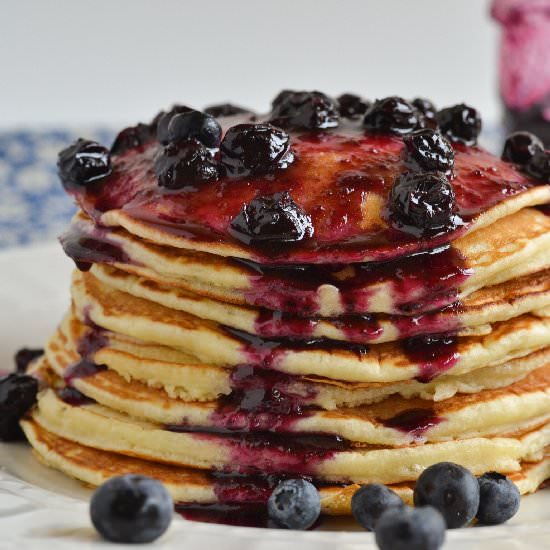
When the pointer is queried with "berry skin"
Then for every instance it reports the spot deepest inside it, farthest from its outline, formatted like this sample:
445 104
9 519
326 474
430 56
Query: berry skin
194 125
179 165
428 150
452 490
132 138
272 221
226 109
405 528
255 149
425 106
460 123
539 166
304 110
83 163
371 501
393 115
352 106
521 147
162 120
499 499
24 357
131 509
294 504
17 396
422 203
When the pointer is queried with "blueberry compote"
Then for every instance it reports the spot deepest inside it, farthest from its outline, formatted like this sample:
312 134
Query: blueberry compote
241 500
340 179
415 422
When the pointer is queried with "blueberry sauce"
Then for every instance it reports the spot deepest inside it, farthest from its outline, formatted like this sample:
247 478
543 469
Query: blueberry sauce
242 515
434 354
204 212
73 397
266 353
415 422
82 369
85 249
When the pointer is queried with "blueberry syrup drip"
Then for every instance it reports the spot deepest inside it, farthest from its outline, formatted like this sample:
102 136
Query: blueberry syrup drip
420 282
363 165
73 397
85 249
266 353
82 369
434 354
415 422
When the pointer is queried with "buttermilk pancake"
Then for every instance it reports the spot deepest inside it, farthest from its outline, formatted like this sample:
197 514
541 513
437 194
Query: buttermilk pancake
189 486
183 376
123 313
314 292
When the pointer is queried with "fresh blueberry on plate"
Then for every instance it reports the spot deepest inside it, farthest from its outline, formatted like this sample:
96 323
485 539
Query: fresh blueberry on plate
131 509
451 489
499 499
406 528
371 501
294 504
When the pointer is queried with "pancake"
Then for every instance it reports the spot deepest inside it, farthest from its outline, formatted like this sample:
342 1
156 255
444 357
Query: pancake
395 421
510 248
194 486
323 458
122 313
485 306
185 377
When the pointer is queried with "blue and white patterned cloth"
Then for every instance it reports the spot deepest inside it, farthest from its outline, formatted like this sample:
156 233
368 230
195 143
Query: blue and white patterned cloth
33 205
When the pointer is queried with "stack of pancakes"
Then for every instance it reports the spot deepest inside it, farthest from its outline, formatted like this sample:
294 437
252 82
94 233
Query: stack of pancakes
220 369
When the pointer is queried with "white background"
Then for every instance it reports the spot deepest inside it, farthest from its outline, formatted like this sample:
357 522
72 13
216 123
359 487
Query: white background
119 61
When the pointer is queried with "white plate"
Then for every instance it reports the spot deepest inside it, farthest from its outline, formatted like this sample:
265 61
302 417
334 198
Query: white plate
42 509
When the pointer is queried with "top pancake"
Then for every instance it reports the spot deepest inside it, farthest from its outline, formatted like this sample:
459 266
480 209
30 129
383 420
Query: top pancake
340 178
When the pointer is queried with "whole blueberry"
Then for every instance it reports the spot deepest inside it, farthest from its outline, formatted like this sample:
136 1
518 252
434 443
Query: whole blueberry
450 488
428 150
392 115
255 149
304 110
352 106
425 106
226 109
539 166
180 165
294 504
132 138
405 528
162 120
17 396
422 203
131 509
24 357
83 163
460 123
194 125
371 501
271 221
521 147
499 499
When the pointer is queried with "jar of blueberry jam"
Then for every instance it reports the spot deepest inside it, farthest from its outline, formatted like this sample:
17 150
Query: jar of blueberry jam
525 64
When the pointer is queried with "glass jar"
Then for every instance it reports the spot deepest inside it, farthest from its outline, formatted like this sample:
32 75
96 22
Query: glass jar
525 64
